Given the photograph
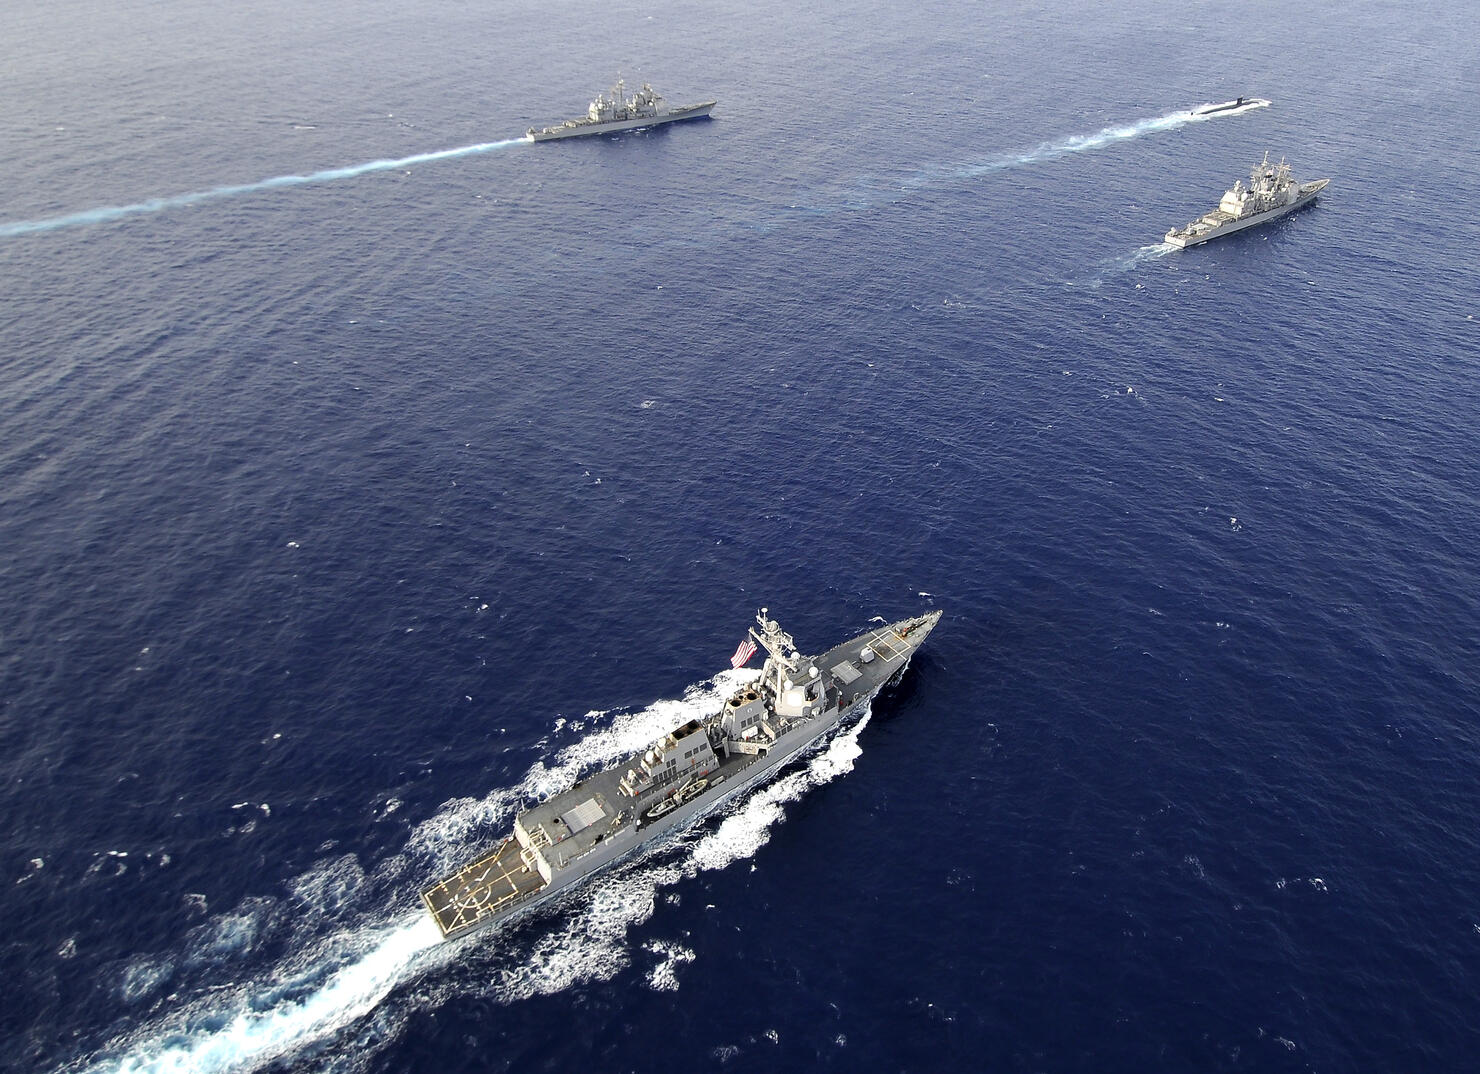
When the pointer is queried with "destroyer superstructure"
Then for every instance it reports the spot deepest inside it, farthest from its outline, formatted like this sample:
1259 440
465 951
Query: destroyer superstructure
1272 192
615 111
793 703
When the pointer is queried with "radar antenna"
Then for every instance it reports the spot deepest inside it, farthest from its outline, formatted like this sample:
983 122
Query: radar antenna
774 640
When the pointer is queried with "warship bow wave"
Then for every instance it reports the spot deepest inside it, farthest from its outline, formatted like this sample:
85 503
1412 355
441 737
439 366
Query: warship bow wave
615 111
1271 194
682 776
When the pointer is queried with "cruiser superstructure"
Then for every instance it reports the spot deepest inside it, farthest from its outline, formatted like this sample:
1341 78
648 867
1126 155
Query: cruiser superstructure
615 111
1271 193
684 774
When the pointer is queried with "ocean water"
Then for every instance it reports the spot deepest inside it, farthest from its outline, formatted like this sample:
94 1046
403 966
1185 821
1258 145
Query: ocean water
365 471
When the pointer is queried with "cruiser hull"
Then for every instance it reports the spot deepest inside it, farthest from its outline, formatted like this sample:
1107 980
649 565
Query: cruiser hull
1182 240
585 129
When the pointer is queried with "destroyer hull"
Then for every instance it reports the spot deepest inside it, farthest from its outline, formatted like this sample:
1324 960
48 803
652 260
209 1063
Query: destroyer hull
505 883
634 838
1183 239
586 128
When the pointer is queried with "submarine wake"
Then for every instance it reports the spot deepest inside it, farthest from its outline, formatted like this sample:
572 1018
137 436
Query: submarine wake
107 214
371 969
867 192
1106 136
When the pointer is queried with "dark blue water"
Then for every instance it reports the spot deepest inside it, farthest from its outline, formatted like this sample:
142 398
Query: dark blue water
339 516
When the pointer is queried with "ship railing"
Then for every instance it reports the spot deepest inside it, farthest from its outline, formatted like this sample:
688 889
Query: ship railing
464 919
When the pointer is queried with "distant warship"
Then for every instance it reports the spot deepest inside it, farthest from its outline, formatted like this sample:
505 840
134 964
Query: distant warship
685 774
1271 194
615 111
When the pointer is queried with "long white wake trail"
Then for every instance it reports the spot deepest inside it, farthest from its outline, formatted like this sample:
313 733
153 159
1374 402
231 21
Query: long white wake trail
1084 143
867 192
311 996
1078 143
110 213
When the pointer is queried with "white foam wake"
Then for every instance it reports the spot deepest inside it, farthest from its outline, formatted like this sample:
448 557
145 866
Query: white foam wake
109 213
868 192
1125 262
1085 143
241 1039
341 977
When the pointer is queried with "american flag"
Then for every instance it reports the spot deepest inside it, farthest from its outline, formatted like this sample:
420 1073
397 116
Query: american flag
744 653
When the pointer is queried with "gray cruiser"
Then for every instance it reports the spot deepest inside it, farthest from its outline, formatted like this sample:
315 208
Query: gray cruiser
1271 194
615 111
683 775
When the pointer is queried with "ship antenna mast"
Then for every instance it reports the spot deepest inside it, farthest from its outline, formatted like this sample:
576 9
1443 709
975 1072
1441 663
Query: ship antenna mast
774 640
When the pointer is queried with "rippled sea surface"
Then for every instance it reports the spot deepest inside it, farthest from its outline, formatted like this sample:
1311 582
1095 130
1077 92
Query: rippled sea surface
366 471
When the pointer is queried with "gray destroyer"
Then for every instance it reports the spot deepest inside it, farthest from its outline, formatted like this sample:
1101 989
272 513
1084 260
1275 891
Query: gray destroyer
615 111
1271 193
683 775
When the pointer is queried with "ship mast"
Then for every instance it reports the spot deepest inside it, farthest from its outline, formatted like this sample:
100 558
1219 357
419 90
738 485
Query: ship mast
775 641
